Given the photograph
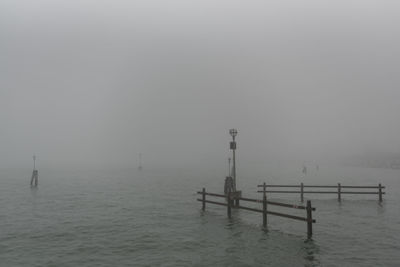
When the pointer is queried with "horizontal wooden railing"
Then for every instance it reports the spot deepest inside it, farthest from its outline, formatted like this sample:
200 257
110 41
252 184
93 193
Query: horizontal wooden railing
339 191
229 204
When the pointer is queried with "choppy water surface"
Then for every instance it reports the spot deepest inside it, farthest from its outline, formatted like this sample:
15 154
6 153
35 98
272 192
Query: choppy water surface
152 218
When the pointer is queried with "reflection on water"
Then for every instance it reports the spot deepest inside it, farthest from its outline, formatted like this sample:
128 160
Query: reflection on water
311 250
34 189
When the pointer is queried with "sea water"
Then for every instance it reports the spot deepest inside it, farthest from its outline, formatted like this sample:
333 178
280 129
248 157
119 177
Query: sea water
125 217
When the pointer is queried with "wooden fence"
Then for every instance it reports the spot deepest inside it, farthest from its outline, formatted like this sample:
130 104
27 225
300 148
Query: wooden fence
339 190
230 204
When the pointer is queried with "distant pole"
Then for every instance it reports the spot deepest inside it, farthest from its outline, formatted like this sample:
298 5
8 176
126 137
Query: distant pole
234 169
264 206
309 219
339 192
204 199
302 192
140 161
233 133
380 193
35 173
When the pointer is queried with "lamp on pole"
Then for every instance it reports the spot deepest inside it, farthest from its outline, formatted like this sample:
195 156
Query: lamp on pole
233 133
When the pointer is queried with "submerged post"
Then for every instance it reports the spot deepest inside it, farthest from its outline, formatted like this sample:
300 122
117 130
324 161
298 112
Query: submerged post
339 192
309 219
380 193
229 204
204 199
302 192
264 207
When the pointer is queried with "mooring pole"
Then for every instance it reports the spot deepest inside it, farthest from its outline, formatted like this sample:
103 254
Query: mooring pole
204 199
380 193
35 173
234 164
264 207
309 219
140 162
339 192
229 167
229 204
233 133
302 192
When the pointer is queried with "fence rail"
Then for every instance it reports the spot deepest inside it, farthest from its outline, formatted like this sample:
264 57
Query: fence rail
230 204
339 191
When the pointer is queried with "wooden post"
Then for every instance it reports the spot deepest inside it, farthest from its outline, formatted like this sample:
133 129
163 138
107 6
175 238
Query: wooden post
302 192
339 191
34 179
204 199
380 193
237 202
229 204
309 219
264 208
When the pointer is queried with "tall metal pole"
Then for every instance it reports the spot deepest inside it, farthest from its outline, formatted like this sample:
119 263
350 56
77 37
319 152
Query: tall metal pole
229 166
34 163
233 133
234 167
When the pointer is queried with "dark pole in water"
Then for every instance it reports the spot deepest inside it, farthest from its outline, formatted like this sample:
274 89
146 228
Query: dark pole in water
264 207
233 133
302 192
35 173
380 193
204 199
339 192
309 219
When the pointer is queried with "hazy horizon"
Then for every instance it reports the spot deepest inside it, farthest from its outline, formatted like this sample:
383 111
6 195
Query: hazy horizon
88 82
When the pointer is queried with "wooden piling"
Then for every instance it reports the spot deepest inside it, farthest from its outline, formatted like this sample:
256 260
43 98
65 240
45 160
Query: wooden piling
34 179
264 208
380 193
302 192
229 204
204 199
309 219
339 192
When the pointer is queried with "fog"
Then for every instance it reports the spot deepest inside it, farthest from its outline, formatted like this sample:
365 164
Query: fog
98 82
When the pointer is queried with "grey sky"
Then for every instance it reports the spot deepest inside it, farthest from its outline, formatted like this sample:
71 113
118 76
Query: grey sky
100 81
